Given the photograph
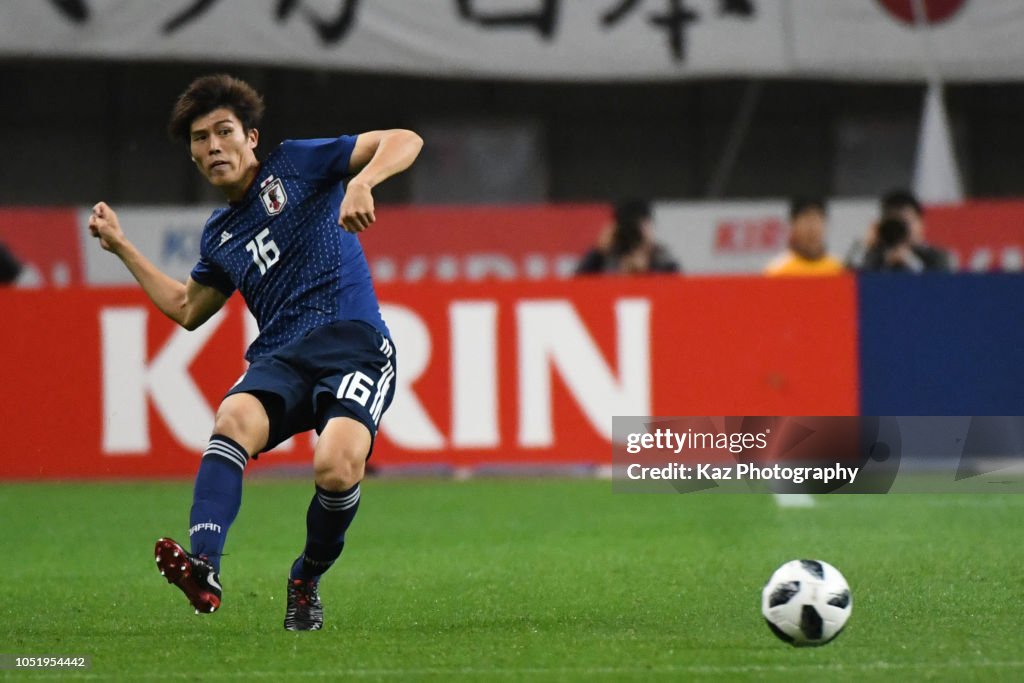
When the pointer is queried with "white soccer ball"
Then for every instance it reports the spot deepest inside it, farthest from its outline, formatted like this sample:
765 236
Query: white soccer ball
806 602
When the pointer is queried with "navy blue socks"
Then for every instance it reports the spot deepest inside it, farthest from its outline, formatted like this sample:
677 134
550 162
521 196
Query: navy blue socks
217 497
329 516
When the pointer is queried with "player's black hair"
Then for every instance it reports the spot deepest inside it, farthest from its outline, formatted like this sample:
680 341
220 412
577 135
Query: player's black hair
797 205
207 93
895 201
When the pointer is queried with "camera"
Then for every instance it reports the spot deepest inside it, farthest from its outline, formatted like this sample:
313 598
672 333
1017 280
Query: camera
893 232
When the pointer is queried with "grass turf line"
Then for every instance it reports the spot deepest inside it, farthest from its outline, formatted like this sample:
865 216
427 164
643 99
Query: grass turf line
516 580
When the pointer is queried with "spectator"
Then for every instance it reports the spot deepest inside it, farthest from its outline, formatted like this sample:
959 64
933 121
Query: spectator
873 255
807 253
893 249
10 268
903 204
628 246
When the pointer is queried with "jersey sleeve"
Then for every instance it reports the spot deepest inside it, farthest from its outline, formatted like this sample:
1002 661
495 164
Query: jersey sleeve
322 158
210 274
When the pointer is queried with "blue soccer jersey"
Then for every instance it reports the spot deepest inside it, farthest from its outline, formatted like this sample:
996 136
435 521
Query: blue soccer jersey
282 248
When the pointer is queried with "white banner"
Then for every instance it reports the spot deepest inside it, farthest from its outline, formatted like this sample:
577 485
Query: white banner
168 236
539 39
731 238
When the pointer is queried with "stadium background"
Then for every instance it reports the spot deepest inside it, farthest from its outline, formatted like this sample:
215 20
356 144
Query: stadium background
513 186
508 364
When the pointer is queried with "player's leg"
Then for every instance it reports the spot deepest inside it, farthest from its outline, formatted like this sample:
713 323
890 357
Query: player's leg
349 404
339 462
241 428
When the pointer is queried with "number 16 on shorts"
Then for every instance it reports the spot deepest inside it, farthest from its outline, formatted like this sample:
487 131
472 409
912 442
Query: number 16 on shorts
359 387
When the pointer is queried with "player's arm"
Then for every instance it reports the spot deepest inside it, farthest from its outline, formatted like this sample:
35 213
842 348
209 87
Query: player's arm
377 155
188 304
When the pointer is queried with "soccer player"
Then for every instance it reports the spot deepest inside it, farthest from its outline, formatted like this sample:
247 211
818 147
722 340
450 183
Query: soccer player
323 359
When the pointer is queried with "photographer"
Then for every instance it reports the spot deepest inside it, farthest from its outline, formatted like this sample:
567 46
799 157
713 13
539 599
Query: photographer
628 246
904 206
893 250
10 267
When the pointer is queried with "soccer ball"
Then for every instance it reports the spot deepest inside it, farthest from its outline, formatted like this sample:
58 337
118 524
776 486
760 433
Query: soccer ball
806 602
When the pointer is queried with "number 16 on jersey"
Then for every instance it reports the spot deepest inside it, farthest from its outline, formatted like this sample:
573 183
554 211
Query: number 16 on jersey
264 252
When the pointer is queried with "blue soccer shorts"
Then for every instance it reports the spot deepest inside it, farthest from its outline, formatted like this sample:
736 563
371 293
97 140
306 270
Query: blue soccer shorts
342 369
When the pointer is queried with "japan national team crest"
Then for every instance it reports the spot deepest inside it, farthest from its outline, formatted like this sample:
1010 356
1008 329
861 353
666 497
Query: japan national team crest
272 195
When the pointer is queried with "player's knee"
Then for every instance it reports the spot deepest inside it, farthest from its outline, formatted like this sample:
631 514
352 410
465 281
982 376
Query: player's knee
246 426
341 469
230 423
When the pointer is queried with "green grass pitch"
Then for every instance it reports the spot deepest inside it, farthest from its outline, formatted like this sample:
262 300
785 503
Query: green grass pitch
516 580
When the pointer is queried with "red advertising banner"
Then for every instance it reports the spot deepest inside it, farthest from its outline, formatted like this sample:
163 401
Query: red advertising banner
495 243
97 384
984 236
45 242
410 244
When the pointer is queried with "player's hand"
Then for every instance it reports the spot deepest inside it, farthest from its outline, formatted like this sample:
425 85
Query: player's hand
104 226
356 212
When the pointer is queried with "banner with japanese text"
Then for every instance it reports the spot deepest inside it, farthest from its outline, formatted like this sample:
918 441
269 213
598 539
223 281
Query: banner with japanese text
541 39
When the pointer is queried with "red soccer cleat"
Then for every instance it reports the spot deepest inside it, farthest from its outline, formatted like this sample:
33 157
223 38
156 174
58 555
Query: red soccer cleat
193 574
